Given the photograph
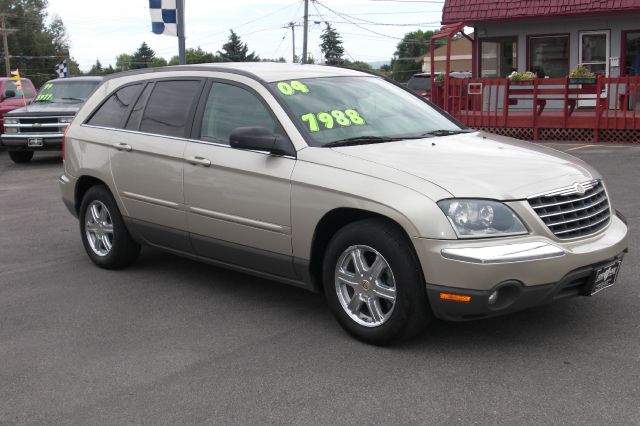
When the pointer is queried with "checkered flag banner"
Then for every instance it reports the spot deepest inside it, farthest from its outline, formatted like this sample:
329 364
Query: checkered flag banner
164 17
62 69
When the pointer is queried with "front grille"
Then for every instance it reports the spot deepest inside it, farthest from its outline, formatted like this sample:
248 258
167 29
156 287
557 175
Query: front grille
39 120
569 213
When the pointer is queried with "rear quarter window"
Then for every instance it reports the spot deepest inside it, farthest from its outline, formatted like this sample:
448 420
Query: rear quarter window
111 113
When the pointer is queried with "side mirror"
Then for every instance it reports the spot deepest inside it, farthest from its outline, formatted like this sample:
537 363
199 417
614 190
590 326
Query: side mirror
260 139
9 94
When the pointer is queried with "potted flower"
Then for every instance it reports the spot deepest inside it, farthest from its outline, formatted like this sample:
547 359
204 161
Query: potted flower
439 78
521 77
582 75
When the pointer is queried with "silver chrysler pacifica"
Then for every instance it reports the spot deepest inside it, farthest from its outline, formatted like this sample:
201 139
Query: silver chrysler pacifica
340 182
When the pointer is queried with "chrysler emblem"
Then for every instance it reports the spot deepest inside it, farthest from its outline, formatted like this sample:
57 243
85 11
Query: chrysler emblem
37 124
579 189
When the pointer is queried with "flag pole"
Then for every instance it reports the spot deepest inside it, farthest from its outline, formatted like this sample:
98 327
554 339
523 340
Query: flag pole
181 33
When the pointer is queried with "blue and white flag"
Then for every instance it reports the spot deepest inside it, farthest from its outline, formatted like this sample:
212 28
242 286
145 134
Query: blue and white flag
164 17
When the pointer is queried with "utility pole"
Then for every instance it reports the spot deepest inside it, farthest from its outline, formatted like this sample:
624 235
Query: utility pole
306 31
293 39
181 33
5 32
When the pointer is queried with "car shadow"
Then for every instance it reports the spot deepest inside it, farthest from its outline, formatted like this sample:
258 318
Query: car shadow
545 322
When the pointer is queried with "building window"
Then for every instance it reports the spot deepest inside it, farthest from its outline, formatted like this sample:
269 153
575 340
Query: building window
631 54
498 57
549 56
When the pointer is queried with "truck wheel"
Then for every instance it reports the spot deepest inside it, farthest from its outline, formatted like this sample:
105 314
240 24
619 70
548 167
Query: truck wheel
104 234
21 156
373 283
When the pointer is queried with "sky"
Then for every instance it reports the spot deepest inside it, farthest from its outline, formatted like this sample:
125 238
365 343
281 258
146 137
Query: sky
370 29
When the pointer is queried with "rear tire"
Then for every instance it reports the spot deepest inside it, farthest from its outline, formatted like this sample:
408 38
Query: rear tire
21 156
373 283
104 234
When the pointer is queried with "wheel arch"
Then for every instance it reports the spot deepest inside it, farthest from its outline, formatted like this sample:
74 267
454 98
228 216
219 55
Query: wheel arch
83 184
331 223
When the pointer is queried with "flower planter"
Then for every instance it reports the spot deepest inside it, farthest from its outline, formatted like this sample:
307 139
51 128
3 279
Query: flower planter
582 80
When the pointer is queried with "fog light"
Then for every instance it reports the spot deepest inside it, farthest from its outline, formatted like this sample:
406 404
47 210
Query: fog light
493 297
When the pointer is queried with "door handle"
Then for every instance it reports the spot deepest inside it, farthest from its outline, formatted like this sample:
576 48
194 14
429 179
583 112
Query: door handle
122 147
198 161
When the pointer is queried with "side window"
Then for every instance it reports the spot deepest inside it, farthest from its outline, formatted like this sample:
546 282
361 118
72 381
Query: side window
229 107
168 107
112 112
133 123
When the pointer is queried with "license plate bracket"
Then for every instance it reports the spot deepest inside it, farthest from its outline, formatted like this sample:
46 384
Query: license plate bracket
605 276
34 142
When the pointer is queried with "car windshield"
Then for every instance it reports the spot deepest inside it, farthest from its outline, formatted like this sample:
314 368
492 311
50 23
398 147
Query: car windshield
334 109
420 82
66 91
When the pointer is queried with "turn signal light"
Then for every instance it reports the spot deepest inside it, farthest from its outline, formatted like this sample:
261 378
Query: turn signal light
455 297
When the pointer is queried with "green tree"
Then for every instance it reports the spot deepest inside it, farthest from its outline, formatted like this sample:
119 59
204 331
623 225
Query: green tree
280 60
331 46
36 47
197 56
158 62
123 62
143 57
358 65
235 50
412 45
96 69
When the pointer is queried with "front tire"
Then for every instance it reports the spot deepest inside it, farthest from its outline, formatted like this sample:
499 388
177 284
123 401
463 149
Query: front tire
21 156
104 234
373 283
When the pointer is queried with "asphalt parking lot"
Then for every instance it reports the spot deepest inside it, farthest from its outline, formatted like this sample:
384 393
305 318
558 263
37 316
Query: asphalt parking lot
172 341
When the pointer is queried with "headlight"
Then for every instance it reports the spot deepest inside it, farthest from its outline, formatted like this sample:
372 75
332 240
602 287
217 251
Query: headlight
11 120
481 218
66 119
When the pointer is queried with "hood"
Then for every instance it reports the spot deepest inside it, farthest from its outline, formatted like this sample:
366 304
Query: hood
479 165
41 108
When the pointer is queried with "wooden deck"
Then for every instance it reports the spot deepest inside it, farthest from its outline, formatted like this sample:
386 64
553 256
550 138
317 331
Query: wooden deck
611 104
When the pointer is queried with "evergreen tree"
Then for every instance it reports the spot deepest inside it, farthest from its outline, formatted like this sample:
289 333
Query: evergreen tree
36 47
143 57
96 69
236 51
331 46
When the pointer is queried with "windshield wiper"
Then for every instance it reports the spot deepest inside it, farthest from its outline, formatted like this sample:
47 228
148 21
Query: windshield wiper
73 99
361 140
443 132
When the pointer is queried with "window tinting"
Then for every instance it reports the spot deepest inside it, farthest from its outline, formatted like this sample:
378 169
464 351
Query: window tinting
136 113
112 112
229 107
168 107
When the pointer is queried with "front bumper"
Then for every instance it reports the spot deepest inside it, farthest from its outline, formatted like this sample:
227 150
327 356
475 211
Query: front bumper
18 142
530 263
519 297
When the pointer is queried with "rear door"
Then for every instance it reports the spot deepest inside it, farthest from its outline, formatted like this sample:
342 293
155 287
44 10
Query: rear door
238 201
146 160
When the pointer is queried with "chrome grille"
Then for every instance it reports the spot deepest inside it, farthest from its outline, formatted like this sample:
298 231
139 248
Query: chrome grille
574 211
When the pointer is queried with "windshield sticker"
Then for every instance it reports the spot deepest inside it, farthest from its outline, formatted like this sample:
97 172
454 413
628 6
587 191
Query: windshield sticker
44 97
47 86
329 120
292 87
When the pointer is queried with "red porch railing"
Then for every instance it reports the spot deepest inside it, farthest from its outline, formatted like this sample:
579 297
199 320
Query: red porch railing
550 103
